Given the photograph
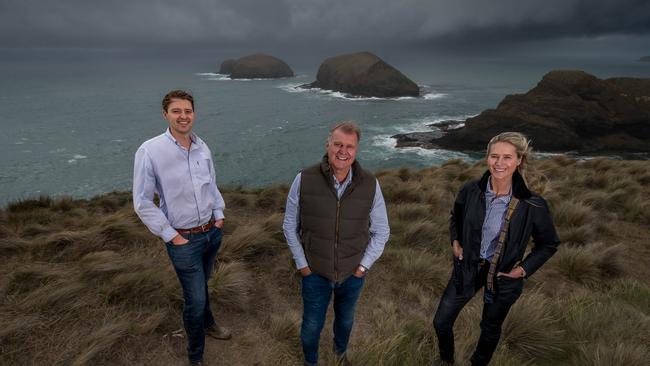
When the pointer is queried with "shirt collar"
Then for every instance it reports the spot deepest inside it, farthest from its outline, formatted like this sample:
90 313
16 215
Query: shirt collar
347 180
490 193
168 133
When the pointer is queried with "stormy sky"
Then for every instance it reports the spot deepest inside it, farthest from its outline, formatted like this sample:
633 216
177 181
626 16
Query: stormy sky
319 25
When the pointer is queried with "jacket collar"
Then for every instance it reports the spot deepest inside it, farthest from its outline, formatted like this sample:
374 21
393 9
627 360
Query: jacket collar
519 188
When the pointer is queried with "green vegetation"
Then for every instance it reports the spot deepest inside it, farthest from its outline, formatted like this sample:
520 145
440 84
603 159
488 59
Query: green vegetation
83 282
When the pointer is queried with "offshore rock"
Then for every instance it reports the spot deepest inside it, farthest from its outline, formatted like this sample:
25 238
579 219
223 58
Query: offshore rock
567 111
227 67
363 74
260 66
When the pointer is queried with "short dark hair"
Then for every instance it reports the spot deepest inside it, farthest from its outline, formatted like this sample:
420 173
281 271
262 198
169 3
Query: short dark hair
348 127
176 94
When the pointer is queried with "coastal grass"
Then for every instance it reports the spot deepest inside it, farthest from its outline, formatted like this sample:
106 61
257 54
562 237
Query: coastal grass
83 282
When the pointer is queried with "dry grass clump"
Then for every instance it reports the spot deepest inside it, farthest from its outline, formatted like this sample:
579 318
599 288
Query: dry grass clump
614 352
533 328
248 241
101 340
273 198
593 265
420 267
84 282
231 285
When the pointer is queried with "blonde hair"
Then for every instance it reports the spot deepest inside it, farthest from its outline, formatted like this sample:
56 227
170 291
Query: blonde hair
522 147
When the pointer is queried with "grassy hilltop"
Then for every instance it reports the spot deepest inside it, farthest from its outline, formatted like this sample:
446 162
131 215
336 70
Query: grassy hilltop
82 282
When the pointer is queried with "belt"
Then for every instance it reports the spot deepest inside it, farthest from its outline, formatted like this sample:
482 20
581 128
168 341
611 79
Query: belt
199 229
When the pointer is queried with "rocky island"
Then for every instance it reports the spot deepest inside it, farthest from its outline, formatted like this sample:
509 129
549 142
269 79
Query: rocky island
568 110
256 66
363 74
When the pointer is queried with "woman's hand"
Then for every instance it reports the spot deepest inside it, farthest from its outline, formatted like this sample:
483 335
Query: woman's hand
517 272
457 249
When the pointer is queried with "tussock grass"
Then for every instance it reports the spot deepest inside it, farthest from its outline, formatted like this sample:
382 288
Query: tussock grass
612 353
533 328
592 265
423 234
101 341
231 285
84 282
247 241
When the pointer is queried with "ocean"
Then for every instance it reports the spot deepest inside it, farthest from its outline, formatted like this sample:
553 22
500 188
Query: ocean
72 119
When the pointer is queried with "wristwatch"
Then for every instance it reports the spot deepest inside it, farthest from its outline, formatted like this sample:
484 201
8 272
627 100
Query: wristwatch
363 269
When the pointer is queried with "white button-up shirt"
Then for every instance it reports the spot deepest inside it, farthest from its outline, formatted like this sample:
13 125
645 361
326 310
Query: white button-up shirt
184 180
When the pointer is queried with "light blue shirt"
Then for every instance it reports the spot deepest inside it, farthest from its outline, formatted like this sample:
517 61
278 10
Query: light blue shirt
495 211
184 181
379 230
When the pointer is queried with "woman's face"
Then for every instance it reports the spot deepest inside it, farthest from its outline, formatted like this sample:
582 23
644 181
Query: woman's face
502 160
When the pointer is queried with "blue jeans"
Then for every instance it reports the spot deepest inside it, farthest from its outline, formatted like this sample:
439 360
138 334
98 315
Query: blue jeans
454 299
193 263
316 294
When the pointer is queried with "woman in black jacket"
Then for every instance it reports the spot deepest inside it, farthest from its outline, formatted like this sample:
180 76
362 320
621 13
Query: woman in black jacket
491 223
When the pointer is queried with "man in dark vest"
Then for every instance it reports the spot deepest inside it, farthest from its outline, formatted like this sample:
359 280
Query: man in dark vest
336 227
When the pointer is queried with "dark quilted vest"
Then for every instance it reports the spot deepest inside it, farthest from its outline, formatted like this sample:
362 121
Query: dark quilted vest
335 233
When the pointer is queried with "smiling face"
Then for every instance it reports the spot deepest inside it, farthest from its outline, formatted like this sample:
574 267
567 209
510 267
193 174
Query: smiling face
341 151
180 116
502 161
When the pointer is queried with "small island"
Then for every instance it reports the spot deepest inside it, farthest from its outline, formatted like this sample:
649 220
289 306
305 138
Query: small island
256 66
363 74
645 59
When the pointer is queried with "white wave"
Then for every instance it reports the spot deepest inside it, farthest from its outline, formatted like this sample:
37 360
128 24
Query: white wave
388 143
432 96
293 88
79 157
117 140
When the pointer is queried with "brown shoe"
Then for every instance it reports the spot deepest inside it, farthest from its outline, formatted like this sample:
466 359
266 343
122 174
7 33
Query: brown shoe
218 332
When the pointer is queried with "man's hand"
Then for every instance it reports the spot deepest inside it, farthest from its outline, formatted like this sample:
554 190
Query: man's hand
179 240
359 272
305 271
517 272
457 249
218 223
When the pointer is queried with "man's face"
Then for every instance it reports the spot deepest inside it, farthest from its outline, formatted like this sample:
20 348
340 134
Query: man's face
341 151
180 116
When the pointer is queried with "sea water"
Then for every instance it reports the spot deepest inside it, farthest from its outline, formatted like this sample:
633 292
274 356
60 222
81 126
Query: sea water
72 120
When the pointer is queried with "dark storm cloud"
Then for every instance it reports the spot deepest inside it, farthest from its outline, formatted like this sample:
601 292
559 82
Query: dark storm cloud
85 23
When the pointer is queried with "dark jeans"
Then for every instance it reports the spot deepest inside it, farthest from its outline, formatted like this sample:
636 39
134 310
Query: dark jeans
194 263
452 302
316 294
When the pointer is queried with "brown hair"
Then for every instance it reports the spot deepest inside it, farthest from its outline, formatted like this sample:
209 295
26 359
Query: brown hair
176 94
348 127
522 147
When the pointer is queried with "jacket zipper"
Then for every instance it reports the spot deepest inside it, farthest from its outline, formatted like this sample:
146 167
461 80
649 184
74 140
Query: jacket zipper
336 241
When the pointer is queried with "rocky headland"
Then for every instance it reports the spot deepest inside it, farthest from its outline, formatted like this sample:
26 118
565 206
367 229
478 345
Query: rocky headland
256 66
363 74
568 110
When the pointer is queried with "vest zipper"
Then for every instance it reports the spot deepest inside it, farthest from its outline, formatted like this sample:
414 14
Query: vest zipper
336 241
